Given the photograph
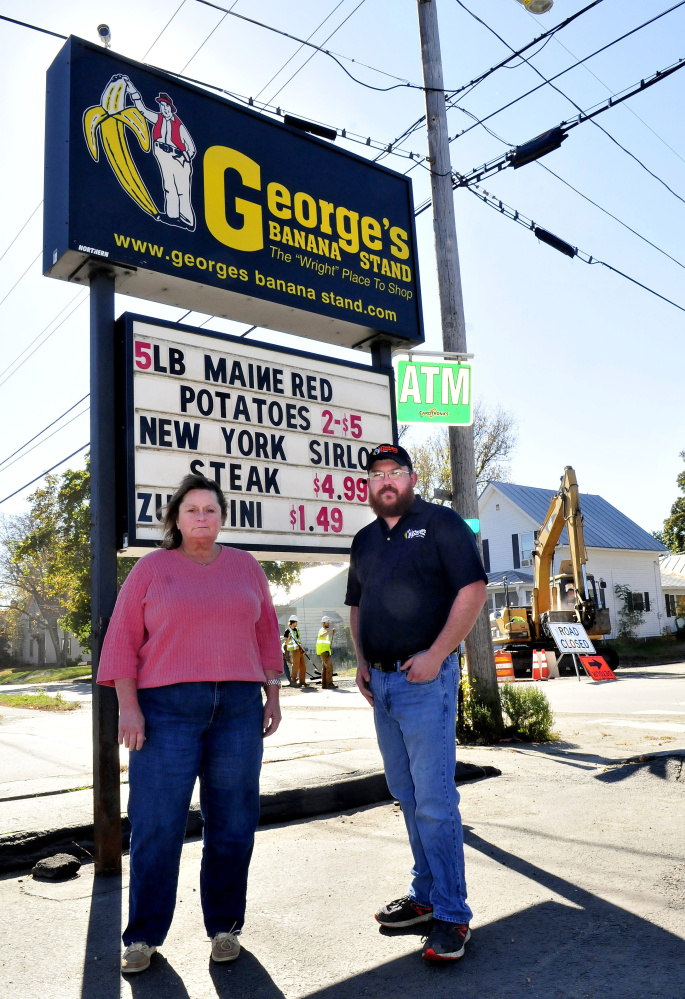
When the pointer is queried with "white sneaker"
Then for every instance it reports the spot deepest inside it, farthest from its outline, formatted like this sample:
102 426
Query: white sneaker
225 947
136 957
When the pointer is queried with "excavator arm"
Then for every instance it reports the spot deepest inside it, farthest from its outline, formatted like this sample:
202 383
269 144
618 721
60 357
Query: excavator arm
564 511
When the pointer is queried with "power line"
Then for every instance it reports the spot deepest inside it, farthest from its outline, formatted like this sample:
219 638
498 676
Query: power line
309 37
509 159
12 373
335 56
6 251
342 133
163 30
307 61
47 472
65 413
627 107
563 71
560 244
40 443
20 278
217 25
519 52
611 215
33 27
479 79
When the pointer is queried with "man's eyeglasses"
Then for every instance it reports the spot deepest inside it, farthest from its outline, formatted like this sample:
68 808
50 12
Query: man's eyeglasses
394 473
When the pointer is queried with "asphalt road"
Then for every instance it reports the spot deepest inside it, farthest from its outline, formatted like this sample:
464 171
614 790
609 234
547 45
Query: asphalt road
643 709
576 877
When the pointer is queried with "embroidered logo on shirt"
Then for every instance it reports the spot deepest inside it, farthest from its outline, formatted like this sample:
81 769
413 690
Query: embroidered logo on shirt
415 534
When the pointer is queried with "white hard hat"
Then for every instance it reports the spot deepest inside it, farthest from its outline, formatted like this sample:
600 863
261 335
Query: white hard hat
325 618
293 617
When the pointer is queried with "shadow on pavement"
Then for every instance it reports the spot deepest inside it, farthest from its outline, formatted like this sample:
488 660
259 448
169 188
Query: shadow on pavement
101 975
669 768
579 946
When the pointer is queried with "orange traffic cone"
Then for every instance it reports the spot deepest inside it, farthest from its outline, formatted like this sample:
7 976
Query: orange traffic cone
544 668
536 665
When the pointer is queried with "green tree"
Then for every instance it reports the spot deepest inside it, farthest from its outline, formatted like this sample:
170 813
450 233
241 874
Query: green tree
495 435
673 534
629 618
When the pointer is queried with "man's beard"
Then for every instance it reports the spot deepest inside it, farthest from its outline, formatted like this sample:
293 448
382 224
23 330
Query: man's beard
403 503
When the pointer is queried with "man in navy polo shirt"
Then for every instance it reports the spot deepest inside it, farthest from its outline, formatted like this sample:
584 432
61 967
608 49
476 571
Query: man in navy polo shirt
415 588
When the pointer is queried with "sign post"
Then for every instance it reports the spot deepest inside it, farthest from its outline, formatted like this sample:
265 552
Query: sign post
106 775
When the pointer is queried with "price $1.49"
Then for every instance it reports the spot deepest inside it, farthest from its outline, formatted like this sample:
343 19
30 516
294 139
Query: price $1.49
326 519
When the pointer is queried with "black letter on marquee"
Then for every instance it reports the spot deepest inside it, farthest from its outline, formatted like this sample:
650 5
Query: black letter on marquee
215 374
176 365
144 517
148 431
271 480
185 437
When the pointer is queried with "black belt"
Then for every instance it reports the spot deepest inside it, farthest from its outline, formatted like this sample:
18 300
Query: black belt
387 665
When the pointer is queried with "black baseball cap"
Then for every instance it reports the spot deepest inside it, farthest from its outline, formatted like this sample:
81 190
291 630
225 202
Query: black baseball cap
389 452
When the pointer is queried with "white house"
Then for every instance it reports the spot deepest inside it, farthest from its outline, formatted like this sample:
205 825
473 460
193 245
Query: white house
673 585
31 644
619 551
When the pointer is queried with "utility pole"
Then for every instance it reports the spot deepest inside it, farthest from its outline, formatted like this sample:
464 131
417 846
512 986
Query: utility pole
106 776
479 652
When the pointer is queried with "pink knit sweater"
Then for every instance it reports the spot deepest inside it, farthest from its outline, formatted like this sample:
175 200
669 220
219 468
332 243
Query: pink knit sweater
176 621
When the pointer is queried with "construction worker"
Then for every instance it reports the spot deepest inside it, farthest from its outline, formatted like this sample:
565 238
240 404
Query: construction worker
323 650
293 647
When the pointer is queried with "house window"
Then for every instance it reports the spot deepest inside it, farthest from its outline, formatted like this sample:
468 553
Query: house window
670 604
638 602
527 546
486 554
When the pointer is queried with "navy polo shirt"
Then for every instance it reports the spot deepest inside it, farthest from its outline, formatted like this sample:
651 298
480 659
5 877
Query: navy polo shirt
405 579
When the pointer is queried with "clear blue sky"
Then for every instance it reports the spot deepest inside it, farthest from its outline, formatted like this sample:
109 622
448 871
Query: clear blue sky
590 364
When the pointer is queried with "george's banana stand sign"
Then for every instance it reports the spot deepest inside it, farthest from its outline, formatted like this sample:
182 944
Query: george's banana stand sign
205 204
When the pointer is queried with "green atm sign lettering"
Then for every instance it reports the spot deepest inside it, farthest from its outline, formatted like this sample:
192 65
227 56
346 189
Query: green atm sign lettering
434 392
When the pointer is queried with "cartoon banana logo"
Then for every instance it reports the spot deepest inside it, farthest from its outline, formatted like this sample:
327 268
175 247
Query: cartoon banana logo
109 120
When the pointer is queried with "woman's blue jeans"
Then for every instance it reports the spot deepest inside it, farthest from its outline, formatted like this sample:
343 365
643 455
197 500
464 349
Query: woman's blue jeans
416 728
212 731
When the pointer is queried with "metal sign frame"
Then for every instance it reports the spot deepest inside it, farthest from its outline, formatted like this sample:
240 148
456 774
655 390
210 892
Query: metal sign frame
128 540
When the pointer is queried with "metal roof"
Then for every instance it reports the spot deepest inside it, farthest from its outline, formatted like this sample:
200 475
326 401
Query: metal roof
514 576
604 525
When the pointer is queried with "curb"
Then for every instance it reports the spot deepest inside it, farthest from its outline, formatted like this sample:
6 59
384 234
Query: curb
22 850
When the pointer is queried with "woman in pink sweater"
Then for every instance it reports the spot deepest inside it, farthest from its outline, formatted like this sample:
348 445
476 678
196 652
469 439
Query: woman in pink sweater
193 640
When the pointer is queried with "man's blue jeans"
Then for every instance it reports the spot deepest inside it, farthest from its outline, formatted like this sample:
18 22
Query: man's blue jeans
212 731
416 728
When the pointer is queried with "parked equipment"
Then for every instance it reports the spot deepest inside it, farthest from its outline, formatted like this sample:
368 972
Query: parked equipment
571 595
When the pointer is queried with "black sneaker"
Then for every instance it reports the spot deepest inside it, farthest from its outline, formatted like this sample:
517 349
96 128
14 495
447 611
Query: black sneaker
404 912
446 941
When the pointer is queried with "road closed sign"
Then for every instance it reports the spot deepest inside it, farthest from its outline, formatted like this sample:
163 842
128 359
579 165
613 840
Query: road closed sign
286 435
571 638
434 391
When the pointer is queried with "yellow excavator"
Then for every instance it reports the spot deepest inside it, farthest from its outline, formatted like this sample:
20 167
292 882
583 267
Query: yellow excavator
571 595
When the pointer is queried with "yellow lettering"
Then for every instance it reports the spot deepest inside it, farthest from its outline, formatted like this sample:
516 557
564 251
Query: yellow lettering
385 267
372 233
308 217
335 251
278 200
399 238
275 232
326 212
347 223
311 243
250 236
287 236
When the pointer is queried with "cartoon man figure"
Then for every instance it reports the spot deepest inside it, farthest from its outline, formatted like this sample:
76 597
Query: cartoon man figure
174 150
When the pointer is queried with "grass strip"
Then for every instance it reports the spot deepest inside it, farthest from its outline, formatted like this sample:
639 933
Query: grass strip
38 700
